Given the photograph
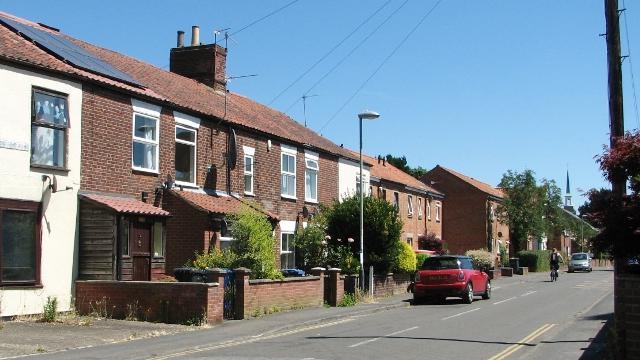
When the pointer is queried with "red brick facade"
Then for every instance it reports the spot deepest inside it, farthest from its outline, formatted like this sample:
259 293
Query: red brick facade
107 167
469 224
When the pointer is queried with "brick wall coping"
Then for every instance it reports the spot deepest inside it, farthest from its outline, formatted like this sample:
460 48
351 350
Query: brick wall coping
149 283
289 279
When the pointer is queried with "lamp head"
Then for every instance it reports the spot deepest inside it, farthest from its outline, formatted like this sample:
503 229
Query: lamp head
368 115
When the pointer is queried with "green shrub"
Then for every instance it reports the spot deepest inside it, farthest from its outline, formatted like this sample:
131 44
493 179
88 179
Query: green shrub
341 257
254 244
536 260
504 255
50 309
348 300
311 244
406 259
481 259
420 258
225 259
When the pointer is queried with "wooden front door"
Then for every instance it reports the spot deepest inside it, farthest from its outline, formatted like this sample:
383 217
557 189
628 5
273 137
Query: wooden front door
140 245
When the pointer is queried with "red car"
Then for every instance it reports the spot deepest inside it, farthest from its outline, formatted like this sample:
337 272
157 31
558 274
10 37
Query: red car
450 275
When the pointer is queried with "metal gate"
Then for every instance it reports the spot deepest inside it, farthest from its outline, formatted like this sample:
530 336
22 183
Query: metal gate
229 295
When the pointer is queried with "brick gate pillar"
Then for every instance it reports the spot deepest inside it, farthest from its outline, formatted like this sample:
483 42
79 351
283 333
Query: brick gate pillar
242 291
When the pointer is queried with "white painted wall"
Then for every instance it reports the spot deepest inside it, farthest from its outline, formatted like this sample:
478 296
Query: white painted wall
19 181
348 176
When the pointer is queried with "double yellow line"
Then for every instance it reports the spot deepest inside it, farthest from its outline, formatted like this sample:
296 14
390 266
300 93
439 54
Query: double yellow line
525 341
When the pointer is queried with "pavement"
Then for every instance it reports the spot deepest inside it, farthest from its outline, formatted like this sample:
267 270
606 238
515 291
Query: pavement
27 336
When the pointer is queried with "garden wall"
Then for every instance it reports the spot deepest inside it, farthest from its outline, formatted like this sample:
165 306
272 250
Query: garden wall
390 284
263 296
168 302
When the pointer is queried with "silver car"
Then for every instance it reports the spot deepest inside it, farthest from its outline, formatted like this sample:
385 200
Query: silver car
580 261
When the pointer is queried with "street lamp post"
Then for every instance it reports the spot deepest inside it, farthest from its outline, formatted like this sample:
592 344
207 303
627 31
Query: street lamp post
367 115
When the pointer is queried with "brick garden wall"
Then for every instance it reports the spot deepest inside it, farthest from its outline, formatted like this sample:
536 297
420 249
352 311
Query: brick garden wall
151 301
390 284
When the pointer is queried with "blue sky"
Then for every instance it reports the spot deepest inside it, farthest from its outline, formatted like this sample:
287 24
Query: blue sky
480 86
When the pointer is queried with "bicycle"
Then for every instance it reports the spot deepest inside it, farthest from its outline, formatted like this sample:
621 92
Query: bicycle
554 275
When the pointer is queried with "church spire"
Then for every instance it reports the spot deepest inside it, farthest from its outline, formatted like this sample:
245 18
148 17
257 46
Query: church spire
568 205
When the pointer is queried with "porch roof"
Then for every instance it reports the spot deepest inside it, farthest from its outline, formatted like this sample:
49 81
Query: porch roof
218 204
124 204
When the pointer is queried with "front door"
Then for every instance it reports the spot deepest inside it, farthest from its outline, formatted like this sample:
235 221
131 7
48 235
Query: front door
140 244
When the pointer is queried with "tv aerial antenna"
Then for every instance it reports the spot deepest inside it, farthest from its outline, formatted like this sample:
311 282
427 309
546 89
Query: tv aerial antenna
304 106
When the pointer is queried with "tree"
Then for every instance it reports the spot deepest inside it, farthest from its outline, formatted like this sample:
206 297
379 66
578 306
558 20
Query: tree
401 163
618 223
523 207
382 228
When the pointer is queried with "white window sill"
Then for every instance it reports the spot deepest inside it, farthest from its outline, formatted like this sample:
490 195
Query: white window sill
289 197
311 201
186 184
150 171
249 194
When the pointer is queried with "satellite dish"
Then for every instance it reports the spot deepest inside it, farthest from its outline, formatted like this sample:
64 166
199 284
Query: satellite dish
232 154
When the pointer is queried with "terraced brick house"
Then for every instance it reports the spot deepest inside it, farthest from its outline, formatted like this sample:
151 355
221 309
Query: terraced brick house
420 206
472 205
160 158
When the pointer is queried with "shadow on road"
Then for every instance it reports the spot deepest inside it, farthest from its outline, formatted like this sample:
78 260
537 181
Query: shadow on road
419 338
597 348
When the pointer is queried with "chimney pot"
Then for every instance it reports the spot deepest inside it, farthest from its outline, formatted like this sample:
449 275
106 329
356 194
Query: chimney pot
180 39
195 35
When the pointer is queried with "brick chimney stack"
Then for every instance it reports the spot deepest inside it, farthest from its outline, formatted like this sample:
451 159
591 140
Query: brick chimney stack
203 63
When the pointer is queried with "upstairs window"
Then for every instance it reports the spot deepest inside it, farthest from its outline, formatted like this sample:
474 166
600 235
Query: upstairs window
145 143
19 243
185 160
428 210
409 205
248 169
438 211
288 172
396 200
419 208
49 124
311 177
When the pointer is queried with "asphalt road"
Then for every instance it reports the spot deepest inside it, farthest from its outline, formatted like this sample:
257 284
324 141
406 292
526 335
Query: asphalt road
527 319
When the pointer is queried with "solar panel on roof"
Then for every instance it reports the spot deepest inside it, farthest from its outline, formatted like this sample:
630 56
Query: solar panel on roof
68 51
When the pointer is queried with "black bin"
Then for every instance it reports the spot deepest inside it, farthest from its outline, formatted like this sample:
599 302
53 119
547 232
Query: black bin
514 263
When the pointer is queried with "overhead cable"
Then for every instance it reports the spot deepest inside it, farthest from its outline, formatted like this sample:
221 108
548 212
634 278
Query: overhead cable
424 17
265 16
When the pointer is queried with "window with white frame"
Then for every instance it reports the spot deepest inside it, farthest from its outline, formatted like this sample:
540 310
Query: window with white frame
287 253
311 177
146 128
409 205
438 210
288 171
49 124
419 208
185 157
396 200
248 169
428 209
410 240
225 235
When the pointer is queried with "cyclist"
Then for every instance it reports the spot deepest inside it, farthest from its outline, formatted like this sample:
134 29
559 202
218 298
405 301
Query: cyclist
554 260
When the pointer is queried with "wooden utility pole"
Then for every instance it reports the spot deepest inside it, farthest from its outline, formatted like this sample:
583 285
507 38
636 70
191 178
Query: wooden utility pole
618 182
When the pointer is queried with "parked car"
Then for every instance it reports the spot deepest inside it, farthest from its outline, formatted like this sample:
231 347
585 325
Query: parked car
580 261
450 275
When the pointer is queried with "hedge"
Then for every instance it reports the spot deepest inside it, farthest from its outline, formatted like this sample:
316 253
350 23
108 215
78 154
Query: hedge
536 260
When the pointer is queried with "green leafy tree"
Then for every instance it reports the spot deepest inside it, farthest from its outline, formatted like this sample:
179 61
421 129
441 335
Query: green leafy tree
401 163
254 243
524 207
382 228
620 226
